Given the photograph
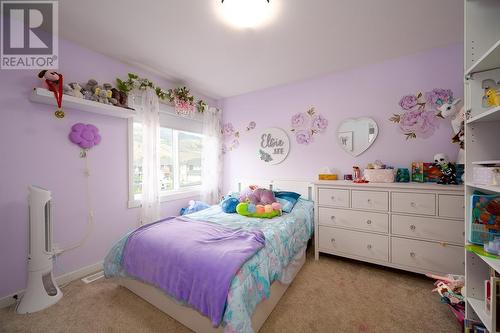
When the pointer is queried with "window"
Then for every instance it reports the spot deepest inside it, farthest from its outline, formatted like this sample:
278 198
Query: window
180 161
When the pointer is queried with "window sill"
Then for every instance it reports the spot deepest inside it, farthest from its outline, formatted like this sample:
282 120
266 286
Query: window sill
171 196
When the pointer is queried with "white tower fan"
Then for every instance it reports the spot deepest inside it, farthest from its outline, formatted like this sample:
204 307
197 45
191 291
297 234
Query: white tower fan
42 291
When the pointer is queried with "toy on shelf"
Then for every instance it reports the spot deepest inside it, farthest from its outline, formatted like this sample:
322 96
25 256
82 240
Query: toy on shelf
73 89
448 169
54 82
485 222
492 97
417 172
402 175
356 175
432 174
493 246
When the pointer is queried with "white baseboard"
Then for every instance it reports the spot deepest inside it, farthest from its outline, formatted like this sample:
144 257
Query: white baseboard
60 280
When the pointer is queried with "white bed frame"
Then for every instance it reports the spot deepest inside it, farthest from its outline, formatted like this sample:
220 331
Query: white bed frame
191 318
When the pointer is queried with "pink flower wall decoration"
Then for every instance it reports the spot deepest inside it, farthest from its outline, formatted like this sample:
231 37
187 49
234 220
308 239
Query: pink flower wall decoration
419 117
232 136
306 124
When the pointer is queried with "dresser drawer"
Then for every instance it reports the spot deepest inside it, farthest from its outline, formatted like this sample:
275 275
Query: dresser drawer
373 200
354 242
333 197
429 228
451 206
353 219
414 203
429 256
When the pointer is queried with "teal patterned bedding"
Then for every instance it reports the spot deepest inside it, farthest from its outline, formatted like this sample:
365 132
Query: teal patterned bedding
285 236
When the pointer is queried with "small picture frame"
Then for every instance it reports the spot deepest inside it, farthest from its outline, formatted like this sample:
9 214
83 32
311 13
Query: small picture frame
345 139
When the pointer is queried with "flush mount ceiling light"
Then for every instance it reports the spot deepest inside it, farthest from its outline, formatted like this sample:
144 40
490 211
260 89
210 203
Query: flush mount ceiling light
247 13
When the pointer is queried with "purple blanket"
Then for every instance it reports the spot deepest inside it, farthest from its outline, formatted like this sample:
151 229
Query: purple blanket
193 261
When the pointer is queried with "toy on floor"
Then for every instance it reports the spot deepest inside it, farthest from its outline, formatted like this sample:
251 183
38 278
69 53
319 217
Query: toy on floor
451 289
448 169
194 206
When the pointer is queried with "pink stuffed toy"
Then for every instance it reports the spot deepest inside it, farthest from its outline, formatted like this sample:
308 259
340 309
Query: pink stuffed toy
262 196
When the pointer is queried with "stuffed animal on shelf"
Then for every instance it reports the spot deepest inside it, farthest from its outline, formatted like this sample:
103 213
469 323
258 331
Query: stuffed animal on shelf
448 169
109 92
51 78
73 89
88 90
120 97
54 82
457 117
101 95
493 97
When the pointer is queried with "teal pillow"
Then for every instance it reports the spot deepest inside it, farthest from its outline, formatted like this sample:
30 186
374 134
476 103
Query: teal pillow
287 200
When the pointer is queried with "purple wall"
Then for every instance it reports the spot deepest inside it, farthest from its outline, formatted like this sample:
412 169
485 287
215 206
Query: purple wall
34 149
373 91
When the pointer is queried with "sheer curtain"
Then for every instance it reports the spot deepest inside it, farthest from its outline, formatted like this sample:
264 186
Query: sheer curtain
146 104
211 160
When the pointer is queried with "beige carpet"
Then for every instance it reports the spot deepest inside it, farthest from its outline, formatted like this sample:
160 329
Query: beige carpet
332 295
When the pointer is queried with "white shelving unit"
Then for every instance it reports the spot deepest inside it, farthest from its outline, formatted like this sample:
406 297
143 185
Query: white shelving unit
482 140
44 96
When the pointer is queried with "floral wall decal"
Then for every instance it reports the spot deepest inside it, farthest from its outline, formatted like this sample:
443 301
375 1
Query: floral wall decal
420 115
306 124
232 136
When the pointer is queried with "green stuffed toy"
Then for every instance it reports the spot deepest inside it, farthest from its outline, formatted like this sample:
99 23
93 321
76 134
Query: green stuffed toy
261 211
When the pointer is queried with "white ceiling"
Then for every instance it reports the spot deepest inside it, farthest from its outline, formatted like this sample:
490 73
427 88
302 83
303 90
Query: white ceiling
185 41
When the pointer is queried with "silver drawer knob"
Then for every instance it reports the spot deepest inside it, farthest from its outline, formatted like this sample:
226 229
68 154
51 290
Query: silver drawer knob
413 204
369 201
413 227
333 197
412 254
368 221
332 240
332 217
369 246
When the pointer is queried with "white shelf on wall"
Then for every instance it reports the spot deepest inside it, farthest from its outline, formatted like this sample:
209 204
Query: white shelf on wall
478 306
491 188
486 162
488 61
44 96
492 114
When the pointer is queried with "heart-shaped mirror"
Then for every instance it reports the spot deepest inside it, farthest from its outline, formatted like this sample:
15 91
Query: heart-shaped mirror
356 135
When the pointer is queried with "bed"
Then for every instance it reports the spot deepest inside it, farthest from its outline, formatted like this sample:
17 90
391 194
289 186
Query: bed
259 283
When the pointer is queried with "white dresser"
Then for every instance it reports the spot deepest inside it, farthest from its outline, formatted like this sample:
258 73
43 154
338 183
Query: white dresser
411 226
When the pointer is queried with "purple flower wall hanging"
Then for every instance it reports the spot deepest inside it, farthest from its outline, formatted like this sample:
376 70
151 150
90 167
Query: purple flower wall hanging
85 136
419 117
306 124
